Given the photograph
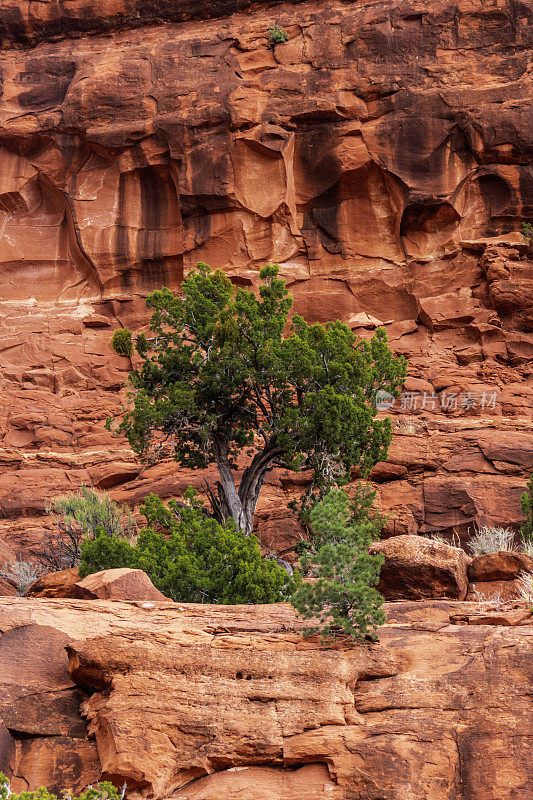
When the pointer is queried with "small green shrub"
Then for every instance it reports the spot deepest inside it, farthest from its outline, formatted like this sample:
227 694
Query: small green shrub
102 791
277 35
79 515
343 594
527 231
361 510
91 511
192 558
121 342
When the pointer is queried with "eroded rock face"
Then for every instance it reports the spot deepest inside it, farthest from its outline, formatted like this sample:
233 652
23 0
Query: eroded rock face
501 566
211 701
43 737
417 568
381 156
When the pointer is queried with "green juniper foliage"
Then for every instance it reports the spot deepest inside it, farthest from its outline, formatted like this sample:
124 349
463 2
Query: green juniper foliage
277 35
526 502
527 231
361 510
121 342
219 379
192 558
102 791
342 596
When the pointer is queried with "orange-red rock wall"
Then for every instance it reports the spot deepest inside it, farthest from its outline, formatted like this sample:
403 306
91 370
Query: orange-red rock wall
230 702
382 156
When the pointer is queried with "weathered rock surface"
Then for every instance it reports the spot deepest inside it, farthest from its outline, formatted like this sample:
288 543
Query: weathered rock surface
494 590
382 156
55 584
225 702
7 588
507 614
501 566
417 568
43 737
118 584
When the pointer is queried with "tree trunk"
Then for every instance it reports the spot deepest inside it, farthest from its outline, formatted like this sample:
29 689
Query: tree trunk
241 504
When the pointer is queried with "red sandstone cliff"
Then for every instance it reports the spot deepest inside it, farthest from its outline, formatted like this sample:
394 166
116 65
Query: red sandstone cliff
220 703
382 156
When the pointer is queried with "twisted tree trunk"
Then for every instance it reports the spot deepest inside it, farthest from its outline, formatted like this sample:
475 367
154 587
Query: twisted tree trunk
240 504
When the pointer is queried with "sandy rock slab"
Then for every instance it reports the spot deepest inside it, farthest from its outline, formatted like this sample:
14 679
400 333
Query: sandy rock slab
211 702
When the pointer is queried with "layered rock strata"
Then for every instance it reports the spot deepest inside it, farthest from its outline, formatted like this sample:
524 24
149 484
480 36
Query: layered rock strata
209 701
382 156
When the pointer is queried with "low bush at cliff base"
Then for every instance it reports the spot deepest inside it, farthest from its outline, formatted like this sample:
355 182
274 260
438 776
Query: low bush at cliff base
491 540
342 596
102 791
21 574
192 558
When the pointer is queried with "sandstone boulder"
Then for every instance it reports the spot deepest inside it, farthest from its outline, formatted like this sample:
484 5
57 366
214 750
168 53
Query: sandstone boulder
501 591
118 584
417 568
502 566
55 584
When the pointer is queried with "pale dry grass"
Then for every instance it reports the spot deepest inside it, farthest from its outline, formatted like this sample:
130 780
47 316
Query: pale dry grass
491 540
525 584
22 574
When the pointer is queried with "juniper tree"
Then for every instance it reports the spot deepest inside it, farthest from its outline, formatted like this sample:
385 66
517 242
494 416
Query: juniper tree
224 378
342 595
